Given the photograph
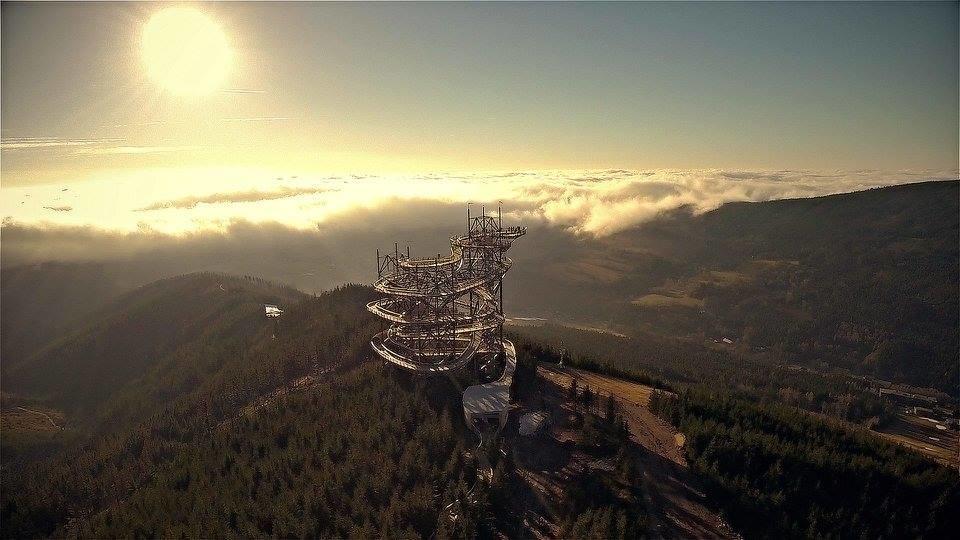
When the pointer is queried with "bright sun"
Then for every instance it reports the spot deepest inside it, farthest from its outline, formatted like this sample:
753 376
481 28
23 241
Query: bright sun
185 51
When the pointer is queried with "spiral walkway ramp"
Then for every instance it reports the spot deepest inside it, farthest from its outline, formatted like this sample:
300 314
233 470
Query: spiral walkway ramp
445 312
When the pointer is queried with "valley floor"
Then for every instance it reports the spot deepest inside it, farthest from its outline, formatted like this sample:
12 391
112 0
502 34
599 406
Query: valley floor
922 435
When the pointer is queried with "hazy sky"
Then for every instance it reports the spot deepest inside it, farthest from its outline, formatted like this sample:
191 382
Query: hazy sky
320 90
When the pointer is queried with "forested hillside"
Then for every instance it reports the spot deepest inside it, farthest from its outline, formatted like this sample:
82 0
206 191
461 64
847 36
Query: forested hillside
235 425
186 390
773 469
666 362
780 473
255 428
361 457
862 280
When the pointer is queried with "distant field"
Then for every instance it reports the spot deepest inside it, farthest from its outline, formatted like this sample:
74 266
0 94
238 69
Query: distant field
682 293
632 392
662 300
723 277
591 271
922 435
521 322
773 263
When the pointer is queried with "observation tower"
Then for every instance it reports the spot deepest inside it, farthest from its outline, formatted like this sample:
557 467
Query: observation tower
447 311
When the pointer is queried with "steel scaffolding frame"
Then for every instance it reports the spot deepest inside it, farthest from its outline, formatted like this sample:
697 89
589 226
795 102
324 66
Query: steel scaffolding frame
444 311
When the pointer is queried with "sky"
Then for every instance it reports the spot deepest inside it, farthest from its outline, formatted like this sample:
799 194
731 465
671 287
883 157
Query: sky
592 116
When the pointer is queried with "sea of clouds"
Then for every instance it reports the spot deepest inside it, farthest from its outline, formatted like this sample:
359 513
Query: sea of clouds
604 202
591 202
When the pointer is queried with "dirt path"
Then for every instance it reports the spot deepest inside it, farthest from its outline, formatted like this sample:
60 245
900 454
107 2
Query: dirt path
677 506
45 415
315 377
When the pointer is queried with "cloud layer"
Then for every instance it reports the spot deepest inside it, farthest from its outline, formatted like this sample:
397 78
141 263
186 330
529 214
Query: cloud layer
593 203
571 235
48 143
600 203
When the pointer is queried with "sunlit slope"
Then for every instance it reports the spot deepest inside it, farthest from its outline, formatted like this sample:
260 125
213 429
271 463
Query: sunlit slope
865 280
41 303
862 280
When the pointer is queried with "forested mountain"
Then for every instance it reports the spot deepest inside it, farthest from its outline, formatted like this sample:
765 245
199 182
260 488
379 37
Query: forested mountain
234 425
44 302
202 362
768 465
164 337
773 469
268 428
874 286
359 457
865 281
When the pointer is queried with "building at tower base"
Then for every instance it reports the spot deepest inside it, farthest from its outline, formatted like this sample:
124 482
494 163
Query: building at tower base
491 401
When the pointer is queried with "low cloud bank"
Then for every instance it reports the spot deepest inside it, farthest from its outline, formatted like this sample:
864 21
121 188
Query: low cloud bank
567 243
590 203
595 203
306 259
606 202
331 229
340 250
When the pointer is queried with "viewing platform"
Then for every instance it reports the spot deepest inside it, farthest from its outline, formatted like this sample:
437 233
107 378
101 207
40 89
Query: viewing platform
446 312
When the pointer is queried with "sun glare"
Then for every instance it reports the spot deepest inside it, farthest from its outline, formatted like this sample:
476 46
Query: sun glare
185 51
